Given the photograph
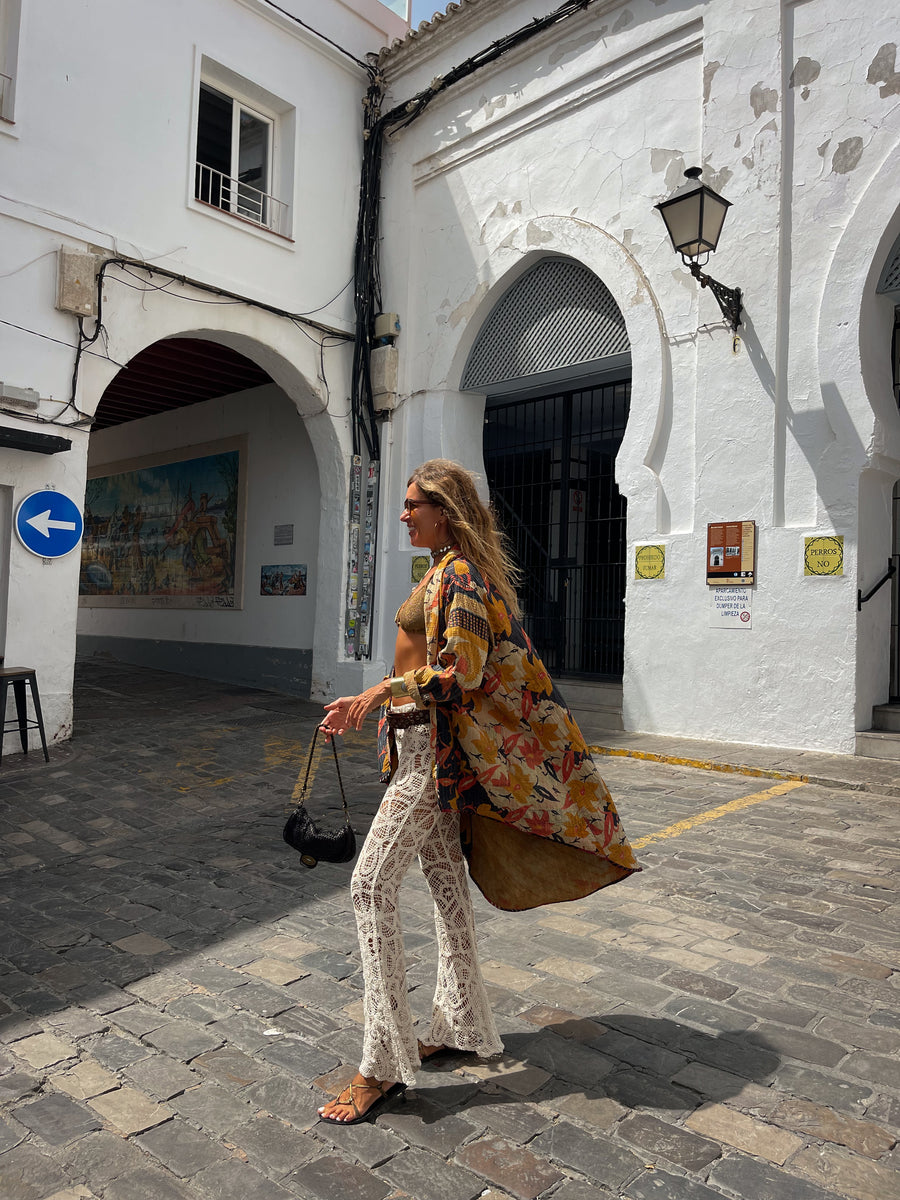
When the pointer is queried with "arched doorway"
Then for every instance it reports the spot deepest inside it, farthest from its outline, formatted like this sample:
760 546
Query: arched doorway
889 286
201 530
553 359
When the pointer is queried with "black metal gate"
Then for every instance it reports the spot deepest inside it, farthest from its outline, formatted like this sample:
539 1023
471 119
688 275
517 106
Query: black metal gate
550 465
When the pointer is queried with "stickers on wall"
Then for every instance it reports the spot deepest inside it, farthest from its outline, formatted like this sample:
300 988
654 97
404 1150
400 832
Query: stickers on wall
419 568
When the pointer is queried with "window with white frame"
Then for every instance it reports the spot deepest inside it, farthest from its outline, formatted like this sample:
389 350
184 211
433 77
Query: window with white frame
240 166
10 16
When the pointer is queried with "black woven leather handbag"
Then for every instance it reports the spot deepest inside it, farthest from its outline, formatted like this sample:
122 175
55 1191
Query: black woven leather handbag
313 844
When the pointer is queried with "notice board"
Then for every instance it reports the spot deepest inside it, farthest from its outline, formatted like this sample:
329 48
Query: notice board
730 553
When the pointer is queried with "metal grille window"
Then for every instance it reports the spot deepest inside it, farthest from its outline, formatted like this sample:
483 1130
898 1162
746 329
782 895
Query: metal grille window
550 463
558 314
895 603
890 275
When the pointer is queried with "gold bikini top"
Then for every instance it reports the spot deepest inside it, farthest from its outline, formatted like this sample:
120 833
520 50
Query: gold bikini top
411 613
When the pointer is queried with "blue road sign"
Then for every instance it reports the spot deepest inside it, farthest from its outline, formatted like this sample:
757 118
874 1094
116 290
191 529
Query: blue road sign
49 524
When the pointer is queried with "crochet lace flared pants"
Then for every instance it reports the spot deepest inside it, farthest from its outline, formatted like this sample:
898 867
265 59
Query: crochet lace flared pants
409 823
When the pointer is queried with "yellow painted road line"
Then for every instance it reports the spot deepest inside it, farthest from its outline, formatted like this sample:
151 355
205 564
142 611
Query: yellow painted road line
713 814
700 764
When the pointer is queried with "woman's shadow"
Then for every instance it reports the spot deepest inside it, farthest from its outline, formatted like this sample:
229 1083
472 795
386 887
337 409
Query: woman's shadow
636 1061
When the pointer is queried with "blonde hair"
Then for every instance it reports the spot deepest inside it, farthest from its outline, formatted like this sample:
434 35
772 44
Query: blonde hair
473 526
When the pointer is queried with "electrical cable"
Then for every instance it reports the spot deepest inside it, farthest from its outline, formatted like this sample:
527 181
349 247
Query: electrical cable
229 298
213 289
31 262
59 341
359 62
309 312
366 264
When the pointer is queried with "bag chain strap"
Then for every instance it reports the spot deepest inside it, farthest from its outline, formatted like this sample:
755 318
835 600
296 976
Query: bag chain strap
337 767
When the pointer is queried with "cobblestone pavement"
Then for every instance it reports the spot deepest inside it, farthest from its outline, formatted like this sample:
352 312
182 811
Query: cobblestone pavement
178 993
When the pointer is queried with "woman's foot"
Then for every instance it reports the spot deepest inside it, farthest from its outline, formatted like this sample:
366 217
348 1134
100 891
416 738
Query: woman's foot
359 1100
426 1052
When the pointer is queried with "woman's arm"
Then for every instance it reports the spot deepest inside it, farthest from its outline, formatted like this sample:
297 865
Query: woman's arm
349 712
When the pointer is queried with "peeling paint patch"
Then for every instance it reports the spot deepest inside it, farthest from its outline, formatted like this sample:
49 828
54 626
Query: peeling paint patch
670 161
821 149
684 279
717 180
535 236
763 99
568 49
492 106
709 74
883 70
847 155
464 311
626 19
805 72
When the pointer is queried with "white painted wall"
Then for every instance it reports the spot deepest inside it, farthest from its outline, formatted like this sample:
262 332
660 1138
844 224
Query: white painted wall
100 158
565 147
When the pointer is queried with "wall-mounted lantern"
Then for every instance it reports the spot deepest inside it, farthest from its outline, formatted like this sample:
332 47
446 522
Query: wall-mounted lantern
694 216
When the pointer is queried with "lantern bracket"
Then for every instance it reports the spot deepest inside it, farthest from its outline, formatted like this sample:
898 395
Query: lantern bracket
729 299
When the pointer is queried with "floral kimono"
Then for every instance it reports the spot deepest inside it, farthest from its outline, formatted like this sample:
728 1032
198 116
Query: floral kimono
538 824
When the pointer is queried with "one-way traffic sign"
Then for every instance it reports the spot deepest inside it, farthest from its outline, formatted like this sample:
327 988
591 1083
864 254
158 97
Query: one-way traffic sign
49 524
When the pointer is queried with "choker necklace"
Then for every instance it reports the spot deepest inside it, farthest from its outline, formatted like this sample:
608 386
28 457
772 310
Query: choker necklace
438 553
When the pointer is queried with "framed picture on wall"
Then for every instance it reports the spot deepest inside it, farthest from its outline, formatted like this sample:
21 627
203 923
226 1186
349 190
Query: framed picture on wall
167 530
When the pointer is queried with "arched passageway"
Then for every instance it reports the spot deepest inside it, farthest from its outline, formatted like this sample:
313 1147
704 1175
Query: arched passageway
201 521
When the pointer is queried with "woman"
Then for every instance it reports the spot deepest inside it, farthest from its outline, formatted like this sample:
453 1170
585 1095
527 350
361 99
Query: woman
485 765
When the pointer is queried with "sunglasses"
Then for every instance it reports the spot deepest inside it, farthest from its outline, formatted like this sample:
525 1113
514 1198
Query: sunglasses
411 505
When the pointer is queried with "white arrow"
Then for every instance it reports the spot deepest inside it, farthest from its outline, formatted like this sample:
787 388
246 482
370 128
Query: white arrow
43 524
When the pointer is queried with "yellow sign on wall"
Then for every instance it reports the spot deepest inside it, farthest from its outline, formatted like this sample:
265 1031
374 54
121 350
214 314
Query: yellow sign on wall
419 568
650 562
823 556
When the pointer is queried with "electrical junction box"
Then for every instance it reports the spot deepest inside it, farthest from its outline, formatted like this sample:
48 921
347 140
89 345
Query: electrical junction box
19 397
387 326
384 367
76 283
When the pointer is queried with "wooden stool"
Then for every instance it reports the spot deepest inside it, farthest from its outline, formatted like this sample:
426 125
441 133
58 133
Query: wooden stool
18 677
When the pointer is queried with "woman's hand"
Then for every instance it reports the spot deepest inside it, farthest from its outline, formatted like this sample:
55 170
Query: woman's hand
349 712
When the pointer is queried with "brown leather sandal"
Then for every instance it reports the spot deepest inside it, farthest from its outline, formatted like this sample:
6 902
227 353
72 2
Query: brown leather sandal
393 1089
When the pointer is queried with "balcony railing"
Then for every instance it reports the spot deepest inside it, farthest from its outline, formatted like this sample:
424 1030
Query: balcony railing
241 200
